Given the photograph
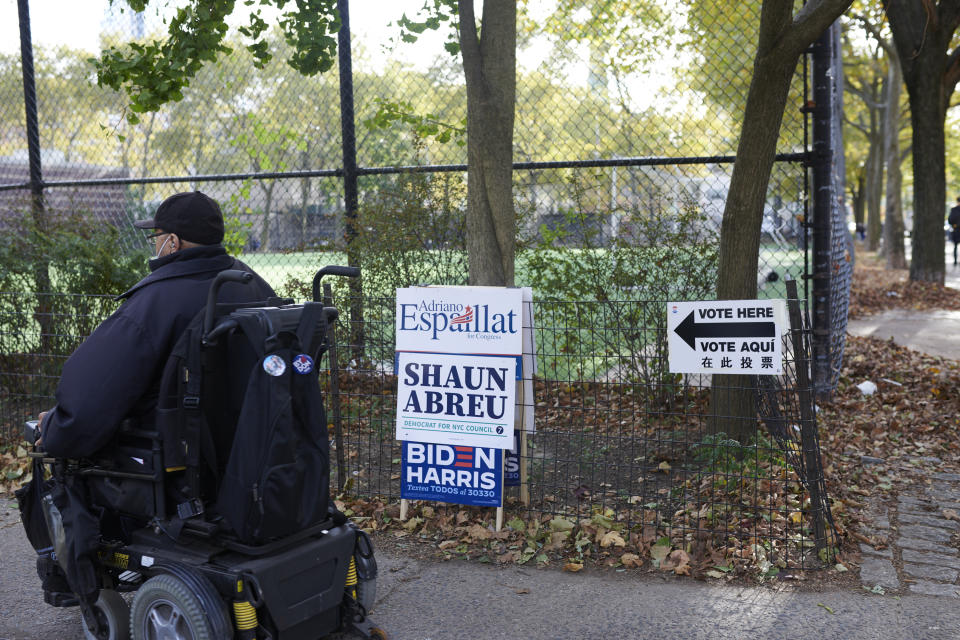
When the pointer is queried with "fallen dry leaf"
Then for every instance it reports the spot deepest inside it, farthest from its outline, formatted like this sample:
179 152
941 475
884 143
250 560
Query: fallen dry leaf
659 552
479 532
678 561
612 538
573 567
631 560
412 523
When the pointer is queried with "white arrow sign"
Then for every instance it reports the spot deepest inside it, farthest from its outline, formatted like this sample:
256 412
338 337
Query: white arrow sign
726 336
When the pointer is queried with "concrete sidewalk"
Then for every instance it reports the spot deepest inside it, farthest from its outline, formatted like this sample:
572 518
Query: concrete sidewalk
457 600
933 332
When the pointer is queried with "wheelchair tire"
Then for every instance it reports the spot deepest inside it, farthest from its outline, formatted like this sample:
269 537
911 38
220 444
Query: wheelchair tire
367 593
113 612
166 608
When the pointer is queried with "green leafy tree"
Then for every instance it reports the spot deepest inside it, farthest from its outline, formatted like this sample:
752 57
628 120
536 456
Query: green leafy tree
722 38
893 227
864 82
156 72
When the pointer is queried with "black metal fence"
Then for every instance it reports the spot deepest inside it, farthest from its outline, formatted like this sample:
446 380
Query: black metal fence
619 437
620 148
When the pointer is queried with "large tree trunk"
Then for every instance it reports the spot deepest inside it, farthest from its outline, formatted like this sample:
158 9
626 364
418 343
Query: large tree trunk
893 247
732 403
929 180
922 32
489 65
874 188
858 199
783 37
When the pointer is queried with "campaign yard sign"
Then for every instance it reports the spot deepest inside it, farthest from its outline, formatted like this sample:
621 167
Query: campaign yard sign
511 463
455 399
477 320
452 473
726 336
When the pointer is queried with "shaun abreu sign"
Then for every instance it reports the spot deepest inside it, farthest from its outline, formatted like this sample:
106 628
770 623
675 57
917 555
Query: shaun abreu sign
458 350
456 399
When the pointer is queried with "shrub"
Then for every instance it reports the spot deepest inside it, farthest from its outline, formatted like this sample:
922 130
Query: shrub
604 276
57 278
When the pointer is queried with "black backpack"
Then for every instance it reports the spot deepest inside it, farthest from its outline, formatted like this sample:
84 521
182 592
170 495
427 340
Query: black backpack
243 414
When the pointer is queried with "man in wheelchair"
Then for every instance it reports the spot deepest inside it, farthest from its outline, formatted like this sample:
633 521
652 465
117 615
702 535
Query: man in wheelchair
187 459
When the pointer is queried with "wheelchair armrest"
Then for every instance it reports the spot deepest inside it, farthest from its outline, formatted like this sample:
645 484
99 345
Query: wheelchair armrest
31 429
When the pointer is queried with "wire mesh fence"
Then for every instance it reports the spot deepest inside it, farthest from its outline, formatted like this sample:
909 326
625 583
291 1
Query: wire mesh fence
619 436
586 90
616 434
626 124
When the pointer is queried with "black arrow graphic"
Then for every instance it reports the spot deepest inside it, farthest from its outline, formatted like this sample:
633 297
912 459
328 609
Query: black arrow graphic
689 330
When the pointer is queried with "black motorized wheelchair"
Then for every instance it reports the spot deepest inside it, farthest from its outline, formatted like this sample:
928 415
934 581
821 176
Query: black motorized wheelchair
155 515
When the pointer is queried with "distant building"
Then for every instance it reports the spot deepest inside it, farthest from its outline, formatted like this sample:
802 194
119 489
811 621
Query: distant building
106 203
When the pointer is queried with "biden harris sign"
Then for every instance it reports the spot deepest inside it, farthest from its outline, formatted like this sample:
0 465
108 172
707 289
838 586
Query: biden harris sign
452 473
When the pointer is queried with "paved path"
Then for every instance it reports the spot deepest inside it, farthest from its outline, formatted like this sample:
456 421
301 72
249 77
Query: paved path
458 600
933 332
917 550
921 529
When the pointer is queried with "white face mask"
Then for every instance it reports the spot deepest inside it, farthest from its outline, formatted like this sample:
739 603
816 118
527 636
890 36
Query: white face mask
162 245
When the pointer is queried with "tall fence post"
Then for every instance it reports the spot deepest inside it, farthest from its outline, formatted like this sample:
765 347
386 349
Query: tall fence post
41 272
348 132
348 136
30 106
823 193
808 420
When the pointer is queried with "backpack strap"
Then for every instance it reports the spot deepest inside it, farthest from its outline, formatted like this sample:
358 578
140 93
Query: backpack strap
306 329
252 327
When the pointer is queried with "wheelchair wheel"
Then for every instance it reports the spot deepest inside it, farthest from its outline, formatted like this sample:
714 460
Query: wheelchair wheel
165 608
367 593
113 614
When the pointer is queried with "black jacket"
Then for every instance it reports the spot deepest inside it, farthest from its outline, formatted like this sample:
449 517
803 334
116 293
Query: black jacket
954 221
115 373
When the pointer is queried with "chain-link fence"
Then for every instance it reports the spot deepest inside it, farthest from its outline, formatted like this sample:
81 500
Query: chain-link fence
619 437
626 124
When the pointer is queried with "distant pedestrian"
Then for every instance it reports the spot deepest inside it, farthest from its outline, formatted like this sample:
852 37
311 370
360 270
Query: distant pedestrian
954 222
861 231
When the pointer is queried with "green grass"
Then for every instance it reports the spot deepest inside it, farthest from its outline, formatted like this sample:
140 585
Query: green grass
277 268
